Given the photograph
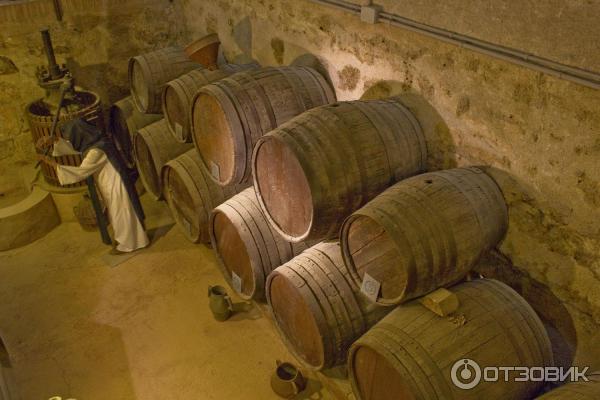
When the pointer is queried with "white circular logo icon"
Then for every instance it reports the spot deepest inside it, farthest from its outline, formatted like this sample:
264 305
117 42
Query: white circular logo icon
465 374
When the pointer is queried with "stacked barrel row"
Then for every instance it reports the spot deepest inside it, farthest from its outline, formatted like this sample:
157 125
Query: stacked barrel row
151 130
350 177
227 118
342 230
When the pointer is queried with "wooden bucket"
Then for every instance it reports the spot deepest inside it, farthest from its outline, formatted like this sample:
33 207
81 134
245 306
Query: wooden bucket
148 74
318 168
229 116
424 232
178 94
125 121
192 195
580 390
153 147
411 352
247 248
317 311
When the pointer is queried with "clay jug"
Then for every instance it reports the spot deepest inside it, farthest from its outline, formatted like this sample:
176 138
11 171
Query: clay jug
287 380
219 302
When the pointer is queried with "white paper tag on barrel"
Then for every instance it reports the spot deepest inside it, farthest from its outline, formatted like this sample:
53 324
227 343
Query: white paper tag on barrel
179 131
370 287
214 170
236 282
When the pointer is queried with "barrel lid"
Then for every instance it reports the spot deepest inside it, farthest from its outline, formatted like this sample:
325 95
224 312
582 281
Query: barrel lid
232 253
283 188
215 127
138 81
296 318
374 377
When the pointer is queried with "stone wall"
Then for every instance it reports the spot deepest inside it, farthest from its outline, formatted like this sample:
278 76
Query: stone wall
95 40
538 134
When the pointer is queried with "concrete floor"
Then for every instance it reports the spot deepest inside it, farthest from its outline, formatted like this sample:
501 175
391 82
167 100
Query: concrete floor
79 323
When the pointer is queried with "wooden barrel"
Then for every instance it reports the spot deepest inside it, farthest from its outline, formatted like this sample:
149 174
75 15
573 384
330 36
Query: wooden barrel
424 232
124 122
192 195
318 168
153 147
205 50
580 390
247 248
229 116
40 117
148 74
317 311
178 94
410 354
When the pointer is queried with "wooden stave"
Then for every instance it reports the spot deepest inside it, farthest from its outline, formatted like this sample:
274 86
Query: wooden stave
265 248
185 87
336 306
255 118
299 135
205 194
157 68
161 148
407 229
394 326
576 390
124 114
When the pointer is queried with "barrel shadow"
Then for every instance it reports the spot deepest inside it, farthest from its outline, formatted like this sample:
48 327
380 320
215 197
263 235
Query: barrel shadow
527 216
551 310
441 149
312 61
245 310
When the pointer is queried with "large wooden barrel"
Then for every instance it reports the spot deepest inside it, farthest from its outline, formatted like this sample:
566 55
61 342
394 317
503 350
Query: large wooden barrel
318 168
192 195
178 94
229 116
247 248
410 354
317 311
40 116
124 122
424 232
580 390
148 74
153 147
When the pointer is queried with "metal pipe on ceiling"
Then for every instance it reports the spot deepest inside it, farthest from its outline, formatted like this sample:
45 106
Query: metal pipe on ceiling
515 56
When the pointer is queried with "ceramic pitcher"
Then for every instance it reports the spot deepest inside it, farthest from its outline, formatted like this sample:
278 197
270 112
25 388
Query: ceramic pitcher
219 302
287 380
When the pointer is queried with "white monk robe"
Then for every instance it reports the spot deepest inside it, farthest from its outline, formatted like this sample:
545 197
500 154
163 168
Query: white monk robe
129 232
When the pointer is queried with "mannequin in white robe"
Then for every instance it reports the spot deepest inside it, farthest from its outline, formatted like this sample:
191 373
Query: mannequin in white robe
128 230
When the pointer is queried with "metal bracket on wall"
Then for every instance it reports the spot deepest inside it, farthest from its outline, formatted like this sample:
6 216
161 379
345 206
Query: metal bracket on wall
574 74
370 14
